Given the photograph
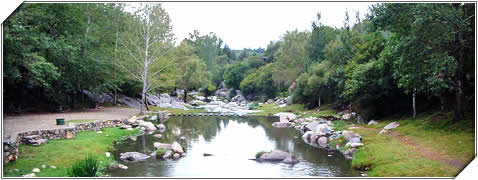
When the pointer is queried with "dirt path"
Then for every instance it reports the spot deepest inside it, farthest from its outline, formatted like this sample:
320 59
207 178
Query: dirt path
427 152
12 125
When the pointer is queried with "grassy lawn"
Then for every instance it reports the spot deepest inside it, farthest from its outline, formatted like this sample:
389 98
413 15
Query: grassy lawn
271 109
388 156
178 111
80 121
65 152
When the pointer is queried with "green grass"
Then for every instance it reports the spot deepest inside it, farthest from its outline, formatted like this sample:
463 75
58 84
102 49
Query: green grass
80 121
64 153
386 155
178 111
268 109
340 125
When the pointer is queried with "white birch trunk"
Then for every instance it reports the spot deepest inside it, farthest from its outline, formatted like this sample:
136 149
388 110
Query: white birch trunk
319 101
145 75
414 105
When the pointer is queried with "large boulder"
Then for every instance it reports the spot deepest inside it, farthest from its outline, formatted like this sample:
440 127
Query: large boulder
349 153
312 126
152 100
166 101
238 98
149 126
275 155
161 127
158 145
286 117
133 156
323 129
282 124
130 102
176 147
322 141
372 122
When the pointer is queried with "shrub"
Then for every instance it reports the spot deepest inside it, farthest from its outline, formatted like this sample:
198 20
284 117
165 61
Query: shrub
161 151
87 167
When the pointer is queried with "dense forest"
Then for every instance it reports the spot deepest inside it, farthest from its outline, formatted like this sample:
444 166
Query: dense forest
402 58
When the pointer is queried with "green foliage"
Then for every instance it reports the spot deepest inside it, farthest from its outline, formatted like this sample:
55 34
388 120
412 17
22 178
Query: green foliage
235 73
87 167
161 151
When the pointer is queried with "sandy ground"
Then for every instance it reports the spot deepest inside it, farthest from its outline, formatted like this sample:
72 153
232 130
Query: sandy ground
12 125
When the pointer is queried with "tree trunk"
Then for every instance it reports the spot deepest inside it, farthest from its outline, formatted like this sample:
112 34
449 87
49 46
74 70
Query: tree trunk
443 103
319 101
414 105
185 95
460 107
145 75
146 102
73 99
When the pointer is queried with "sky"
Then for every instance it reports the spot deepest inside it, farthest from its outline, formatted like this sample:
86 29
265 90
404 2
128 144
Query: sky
254 24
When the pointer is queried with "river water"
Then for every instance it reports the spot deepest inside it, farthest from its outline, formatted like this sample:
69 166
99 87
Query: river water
232 141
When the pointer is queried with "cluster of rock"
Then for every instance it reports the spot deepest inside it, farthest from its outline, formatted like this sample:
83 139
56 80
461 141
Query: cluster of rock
140 122
349 115
236 108
282 102
318 132
278 156
174 150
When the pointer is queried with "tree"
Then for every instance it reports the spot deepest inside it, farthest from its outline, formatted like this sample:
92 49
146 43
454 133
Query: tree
146 46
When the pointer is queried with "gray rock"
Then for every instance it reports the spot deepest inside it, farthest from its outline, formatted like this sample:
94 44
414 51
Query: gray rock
53 167
125 126
168 154
122 166
322 141
355 139
157 135
158 145
29 175
133 156
36 170
349 153
312 126
207 154
383 131
348 135
130 102
354 145
161 127
372 122
307 135
391 126
282 124
176 156
275 155
176 147
290 160
38 142
43 166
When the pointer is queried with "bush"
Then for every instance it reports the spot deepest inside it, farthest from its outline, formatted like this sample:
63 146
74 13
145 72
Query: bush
87 167
259 154
161 151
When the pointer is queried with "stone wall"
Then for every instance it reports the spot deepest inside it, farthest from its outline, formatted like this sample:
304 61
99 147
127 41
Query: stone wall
10 148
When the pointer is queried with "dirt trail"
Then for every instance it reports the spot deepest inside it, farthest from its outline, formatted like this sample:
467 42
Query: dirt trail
12 125
427 152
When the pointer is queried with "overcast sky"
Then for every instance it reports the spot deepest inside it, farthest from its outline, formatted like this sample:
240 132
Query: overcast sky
253 25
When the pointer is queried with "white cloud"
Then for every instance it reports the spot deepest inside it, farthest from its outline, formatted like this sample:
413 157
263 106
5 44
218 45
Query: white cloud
254 24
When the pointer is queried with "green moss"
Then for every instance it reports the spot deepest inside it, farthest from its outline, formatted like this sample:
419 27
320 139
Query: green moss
63 153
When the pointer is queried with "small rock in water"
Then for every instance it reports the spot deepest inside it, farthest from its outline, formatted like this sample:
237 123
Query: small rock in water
157 135
43 166
36 170
16 170
99 132
122 166
176 155
182 138
53 167
108 154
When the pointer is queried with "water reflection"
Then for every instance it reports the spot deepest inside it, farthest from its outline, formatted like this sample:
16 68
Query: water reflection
232 141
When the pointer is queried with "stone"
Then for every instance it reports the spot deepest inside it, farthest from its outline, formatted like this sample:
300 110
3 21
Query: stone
122 166
312 126
43 166
129 129
99 132
176 147
53 167
125 126
132 119
372 122
307 135
149 126
282 124
322 141
158 135
36 170
383 131
153 118
16 170
207 154
130 102
348 135
290 160
275 155
158 145
161 127
349 153
286 117
355 139
70 135
38 142
182 138
323 128
133 156
354 145
168 154
108 154
391 125
29 175
134 138
176 156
